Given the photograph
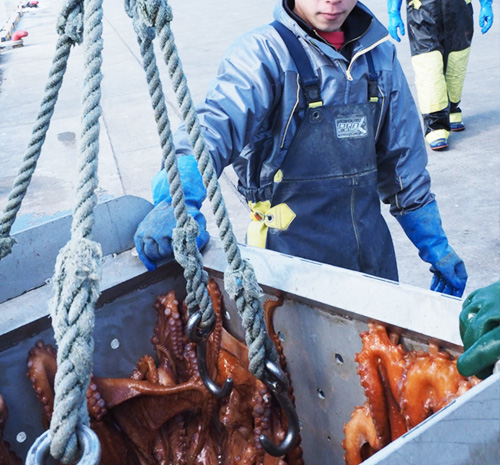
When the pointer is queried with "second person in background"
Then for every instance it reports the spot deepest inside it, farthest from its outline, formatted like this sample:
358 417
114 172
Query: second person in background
440 34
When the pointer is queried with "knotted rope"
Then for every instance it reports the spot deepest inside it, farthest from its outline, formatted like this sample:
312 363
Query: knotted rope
77 271
77 274
240 281
69 28
185 249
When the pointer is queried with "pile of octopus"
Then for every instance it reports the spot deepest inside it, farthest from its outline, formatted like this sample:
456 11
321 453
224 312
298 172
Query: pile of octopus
163 413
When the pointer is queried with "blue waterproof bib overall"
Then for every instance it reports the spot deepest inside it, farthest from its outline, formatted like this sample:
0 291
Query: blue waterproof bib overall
329 180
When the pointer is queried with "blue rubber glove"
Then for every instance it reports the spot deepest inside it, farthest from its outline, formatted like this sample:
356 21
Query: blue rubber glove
395 21
153 238
485 16
423 227
192 183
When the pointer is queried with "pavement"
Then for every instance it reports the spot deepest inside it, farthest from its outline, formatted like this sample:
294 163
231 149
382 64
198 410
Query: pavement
465 178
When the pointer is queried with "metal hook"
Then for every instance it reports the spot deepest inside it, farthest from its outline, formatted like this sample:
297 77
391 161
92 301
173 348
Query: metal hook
200 336
275 379
88 440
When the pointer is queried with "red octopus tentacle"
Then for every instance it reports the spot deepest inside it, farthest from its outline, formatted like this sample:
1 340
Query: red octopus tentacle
95 403
379 350
42 367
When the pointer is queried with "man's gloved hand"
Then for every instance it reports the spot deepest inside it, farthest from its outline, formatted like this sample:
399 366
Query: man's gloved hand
485 16
423 227
449 275
480 332
153 238
395 21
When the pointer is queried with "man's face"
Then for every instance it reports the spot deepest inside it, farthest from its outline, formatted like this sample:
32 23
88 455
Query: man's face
324 15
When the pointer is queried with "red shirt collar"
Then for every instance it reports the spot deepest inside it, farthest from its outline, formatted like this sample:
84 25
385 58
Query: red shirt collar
335 38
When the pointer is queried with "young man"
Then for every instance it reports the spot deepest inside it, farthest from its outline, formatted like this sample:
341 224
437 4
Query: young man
440 34
316 117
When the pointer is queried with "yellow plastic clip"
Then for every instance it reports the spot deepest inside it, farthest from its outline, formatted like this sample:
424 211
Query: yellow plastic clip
317 104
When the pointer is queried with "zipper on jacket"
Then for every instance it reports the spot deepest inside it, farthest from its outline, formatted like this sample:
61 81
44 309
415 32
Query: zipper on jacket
381 111
362 52
292 112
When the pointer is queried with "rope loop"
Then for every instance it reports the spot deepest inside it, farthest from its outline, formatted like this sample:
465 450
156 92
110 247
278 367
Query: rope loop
187 254
154 12
76 290
241 279
243 288
146 14
70 20
141 28
130 7
241 283
78 266
184 241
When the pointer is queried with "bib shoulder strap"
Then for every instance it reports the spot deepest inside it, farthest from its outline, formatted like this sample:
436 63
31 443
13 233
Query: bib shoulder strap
372 79
308 80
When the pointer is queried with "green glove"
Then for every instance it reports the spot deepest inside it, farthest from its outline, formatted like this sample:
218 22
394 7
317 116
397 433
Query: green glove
480 332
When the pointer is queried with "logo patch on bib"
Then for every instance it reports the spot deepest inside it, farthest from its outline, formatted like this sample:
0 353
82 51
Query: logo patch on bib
353 127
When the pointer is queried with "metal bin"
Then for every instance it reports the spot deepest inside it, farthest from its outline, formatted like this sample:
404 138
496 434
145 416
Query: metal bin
325 308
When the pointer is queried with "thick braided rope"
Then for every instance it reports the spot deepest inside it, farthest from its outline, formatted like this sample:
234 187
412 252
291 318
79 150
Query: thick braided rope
69 28
240 280
77 274
184 237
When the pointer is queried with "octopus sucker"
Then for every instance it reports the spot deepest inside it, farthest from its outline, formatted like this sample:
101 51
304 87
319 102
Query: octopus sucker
42 367
402 389
163 413
168 330
95 403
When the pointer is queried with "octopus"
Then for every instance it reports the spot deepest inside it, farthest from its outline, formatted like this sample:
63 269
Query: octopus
361 435
431 381
7 457
163 413
381 365
402 389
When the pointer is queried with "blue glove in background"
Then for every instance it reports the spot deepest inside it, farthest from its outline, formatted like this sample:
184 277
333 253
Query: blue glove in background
423 227
153 238
395 21
485 16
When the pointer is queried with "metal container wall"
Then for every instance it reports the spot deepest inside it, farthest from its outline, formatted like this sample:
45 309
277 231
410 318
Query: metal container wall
324 310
